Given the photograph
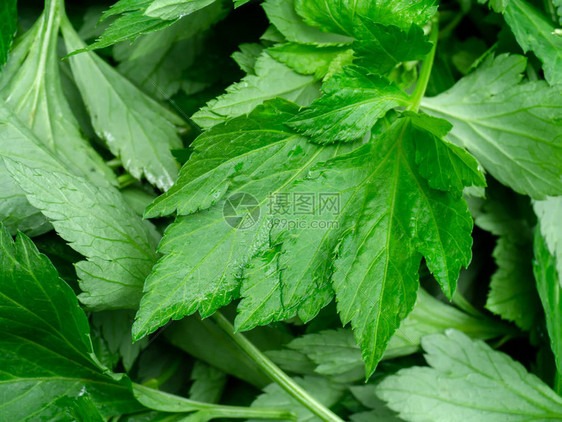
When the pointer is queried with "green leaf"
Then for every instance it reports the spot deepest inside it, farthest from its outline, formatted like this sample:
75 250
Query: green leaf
548 286
215 348
353 100
281 13
344 17
382 47
115 327
16 213
299 281
95 220
8 27
275 397
247 56
380 415
208 383
336 355
333 353
312 59
45 349
468 380
160 400
30 84
272 79
496 5
205 278
175 9
365 394
156 62
124 6
82 409
238 3
206 177
534 32
512 128
548 212
144 143
456 168
129 26
138 198
547 266
380 192
512 292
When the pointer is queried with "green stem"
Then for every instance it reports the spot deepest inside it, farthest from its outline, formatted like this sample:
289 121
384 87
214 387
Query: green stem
158 381
235 412
499 343
275 373
166 402
114 163
425 71
465 305
125 180
450 27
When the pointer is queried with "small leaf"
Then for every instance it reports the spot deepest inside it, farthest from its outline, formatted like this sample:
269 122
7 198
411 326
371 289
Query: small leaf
353 100
382 47
534 32
456 168
247 56
336 355
272 79
275 397
512 292
16 213
281 13
468 380
311 59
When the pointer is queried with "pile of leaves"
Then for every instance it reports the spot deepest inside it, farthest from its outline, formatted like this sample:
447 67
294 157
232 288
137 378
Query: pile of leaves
298 210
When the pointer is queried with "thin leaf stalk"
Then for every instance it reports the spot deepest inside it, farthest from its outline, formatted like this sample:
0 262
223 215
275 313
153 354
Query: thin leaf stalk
275 373
212 411
425 71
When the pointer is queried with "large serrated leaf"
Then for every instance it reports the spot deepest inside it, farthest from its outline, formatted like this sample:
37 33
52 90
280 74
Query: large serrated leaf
136 128
95 220
31 86
512 128
45 349
188 278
